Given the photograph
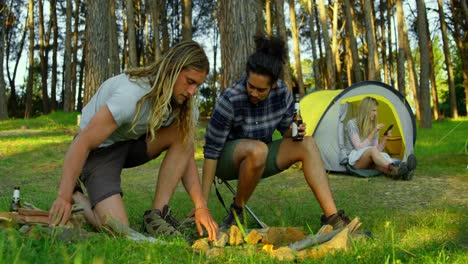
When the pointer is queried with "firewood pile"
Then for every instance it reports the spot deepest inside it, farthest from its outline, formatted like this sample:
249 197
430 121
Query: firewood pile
283 243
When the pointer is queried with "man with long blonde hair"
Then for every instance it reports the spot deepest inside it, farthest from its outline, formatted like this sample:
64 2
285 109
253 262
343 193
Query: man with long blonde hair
132 119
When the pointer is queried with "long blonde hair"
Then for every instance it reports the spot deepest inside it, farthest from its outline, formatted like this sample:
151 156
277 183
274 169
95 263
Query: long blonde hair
365 124
163 74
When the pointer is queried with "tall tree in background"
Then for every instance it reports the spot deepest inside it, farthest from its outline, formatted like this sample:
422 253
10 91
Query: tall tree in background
14 48
313 41
187 20
43 55
354 59
391 67
434 96
448 61
330 64
131 35
67 60
114 61
409 57
97 45
372 59
74 52
53 82
401 56
281 26
268 18
297 49
155 22
383 41
424 89
3 97
29 86
460 34
334 45
237 24
164 27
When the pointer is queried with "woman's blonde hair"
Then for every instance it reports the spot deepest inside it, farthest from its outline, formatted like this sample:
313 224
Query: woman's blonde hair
162 75
365 124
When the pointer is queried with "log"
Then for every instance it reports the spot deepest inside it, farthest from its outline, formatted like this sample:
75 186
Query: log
313 240
116 227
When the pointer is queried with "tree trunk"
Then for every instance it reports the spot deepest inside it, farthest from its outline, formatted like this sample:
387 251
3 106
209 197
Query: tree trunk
43 45
434 96
448 62
401 56
282 32
187 20
330 76
164 23
372 62
297 50
383 41
29 87
424 89
97 47
237 42
390 43
114 66
132 47
75 55
67 58
3 97
334 46
354 58
156 20
268 18
409 57
53 83
79 105
460 21
313 40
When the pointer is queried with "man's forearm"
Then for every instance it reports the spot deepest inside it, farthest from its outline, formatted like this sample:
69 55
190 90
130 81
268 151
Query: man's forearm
209 170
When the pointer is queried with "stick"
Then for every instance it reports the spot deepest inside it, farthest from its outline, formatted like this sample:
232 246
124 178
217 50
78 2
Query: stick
123 230
312 240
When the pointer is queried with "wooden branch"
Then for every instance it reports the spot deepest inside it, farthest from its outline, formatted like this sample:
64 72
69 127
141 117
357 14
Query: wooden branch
313 240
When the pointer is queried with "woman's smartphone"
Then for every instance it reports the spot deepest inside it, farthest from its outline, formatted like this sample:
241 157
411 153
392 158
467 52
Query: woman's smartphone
388 129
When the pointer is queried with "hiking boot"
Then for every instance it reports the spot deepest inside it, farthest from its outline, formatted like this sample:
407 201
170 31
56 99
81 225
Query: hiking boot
411 163
230 219
397 171
337 220
158 223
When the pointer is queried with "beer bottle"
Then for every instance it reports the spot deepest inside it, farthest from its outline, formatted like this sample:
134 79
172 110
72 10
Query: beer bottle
15 201
297 121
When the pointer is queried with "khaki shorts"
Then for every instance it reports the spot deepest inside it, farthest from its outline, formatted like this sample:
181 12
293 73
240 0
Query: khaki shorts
226 168
101 172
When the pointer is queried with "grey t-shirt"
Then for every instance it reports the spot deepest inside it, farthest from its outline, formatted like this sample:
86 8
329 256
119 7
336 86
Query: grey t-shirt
121 94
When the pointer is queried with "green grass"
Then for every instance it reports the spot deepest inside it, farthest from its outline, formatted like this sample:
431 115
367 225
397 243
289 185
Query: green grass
422 221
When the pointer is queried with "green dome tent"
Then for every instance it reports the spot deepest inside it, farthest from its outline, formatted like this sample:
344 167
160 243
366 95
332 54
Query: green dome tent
326 112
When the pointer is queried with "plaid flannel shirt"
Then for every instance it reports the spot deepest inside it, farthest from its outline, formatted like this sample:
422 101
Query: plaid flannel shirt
235 117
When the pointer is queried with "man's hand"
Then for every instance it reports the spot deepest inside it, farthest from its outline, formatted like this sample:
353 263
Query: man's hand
60 211
203 217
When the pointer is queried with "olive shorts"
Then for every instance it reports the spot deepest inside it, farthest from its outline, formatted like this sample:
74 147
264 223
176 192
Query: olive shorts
226 168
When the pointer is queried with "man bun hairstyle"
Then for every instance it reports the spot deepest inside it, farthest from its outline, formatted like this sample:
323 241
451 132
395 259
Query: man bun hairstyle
268 58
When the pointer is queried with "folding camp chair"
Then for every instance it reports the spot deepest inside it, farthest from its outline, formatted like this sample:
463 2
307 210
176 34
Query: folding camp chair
221 200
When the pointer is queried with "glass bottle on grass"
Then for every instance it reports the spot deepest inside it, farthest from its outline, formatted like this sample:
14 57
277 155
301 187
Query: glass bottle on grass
297 120
15 201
